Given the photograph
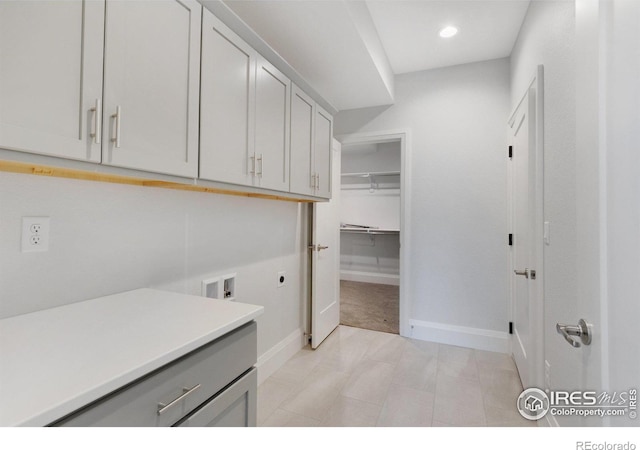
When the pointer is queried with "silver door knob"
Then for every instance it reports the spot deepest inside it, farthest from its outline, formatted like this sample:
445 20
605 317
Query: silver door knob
526 273
582 330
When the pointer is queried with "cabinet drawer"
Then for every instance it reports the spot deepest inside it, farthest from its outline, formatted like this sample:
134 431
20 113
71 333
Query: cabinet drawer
212 367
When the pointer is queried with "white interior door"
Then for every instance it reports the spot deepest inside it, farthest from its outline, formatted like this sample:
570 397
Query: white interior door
325 262
527 196
521 209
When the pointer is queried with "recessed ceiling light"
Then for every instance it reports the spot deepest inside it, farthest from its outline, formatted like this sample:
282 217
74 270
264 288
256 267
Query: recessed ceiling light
448 32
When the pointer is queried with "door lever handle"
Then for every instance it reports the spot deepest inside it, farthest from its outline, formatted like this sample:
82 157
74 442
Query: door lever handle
526 273
322 247
582 330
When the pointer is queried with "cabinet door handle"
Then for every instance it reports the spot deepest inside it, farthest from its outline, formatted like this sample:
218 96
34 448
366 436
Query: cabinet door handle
253 164
97 121
261 165
162 407
313 181
317 181
118 118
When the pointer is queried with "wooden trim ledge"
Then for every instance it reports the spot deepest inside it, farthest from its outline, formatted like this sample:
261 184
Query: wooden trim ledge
60 172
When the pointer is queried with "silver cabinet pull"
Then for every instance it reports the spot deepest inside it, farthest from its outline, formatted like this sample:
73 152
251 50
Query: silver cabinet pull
97 121
253 164
526 273
162 407
317 181
313 181
118 118
261 165
582 330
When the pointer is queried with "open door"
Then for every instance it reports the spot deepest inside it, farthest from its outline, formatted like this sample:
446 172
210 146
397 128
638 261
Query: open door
325 260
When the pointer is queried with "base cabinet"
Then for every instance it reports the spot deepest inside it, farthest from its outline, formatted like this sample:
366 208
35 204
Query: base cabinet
215 384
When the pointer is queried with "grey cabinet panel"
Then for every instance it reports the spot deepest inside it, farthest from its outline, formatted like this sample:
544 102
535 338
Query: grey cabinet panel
236 406
51 60
152 76
323 135
301 142
273 92
227 108
213 367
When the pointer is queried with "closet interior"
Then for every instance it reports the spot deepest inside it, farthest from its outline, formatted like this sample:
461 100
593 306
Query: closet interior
370 236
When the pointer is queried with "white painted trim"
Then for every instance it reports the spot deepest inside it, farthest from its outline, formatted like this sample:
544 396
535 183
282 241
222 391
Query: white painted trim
478 338
274 358
404 135
370 277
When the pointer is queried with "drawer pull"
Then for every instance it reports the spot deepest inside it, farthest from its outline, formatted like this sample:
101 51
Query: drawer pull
162 407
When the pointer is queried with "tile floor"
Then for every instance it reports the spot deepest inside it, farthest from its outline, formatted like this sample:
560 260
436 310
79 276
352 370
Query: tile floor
368 378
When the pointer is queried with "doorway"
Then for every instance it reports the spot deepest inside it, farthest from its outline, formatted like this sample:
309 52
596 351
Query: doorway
372 228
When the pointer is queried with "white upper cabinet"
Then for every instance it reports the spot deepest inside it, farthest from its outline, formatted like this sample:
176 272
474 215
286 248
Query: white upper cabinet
323 136
161 86
271 154
227 108
302 115
151 85
51 77
311 141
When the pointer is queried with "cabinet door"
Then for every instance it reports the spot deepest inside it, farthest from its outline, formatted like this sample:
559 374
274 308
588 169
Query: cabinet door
236 406
227 104
323 135
302 113
273 92
151 85
51 77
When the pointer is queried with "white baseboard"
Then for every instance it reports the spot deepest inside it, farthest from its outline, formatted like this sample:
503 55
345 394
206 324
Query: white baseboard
274 358
368 277
490 340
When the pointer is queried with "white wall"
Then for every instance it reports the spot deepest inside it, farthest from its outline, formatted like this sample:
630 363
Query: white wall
622 121
108 238
457 118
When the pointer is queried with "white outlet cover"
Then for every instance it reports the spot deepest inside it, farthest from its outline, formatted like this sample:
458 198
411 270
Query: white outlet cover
35 234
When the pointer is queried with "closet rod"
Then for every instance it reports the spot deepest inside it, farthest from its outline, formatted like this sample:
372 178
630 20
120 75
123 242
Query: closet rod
368 231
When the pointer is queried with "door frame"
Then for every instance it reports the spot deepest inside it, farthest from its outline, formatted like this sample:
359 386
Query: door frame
536 290
404 136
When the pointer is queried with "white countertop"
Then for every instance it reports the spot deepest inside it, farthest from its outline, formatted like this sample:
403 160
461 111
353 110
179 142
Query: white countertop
54 361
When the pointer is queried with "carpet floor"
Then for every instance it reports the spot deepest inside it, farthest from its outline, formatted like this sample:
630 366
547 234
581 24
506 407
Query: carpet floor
370 306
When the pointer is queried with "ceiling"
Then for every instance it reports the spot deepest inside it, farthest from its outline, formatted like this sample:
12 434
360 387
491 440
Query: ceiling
349 51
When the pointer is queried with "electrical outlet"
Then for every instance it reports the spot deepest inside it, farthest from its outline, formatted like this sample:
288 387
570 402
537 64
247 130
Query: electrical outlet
281 279
35 234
